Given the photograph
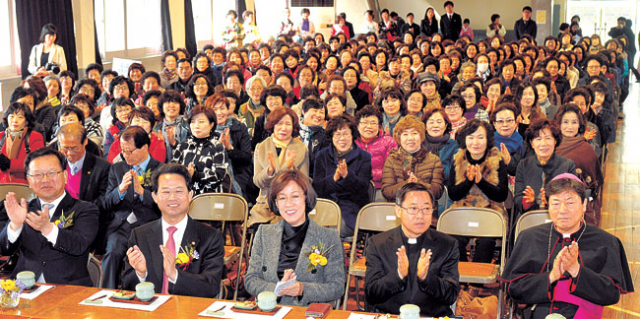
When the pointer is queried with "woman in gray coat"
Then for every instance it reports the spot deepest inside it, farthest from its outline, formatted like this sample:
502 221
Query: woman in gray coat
296 258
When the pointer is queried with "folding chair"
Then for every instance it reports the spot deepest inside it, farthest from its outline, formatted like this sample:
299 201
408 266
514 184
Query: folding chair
531 219
94 266
21 190
477 222
222 207
227 183
526 221
374 217
327 214
372 192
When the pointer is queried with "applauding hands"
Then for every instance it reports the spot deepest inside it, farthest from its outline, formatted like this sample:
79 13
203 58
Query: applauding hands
423 263
566 260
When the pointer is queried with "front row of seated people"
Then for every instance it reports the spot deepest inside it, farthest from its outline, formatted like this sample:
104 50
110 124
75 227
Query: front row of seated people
565 266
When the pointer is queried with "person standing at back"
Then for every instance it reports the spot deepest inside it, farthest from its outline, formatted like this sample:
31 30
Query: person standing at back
525 25
450 23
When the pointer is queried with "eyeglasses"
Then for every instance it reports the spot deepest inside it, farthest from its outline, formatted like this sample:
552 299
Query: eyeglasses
200 84
505 122
372 123
40 176
178 193
451 107
339 136
413 211
120 87
69 149
128 152
125 110
295 198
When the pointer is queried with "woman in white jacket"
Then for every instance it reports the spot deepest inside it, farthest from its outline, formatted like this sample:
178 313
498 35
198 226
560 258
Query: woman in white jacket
46 52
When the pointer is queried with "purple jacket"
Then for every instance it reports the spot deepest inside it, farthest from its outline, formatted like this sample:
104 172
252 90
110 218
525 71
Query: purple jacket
380 148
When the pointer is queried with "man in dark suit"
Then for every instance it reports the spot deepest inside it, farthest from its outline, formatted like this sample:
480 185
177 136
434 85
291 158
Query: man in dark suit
525 25
54 231
450 23
153 254
128 202
93 171
412 263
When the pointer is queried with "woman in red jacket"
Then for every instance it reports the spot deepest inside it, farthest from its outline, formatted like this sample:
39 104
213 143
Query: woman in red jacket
17 141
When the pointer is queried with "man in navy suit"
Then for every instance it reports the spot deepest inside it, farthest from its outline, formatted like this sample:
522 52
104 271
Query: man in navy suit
54 231
178 255
450 23
128 202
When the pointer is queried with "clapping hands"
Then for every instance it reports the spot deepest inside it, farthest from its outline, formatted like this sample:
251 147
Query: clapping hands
566 261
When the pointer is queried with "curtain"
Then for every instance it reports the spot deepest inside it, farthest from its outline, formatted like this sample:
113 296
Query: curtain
31 15
95 33
241 6
190 29
165 17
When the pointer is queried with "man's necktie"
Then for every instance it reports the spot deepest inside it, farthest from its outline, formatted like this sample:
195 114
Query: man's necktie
171 245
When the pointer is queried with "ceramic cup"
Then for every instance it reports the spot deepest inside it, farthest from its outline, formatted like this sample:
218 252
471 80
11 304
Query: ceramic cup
28 278
409 311
145 291
267 300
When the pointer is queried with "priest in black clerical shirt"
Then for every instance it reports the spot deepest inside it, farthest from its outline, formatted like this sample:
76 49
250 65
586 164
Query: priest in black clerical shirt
412 264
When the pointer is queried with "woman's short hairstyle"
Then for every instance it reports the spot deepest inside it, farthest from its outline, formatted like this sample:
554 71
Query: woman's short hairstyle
69 109
339 122
277 114
171 96
312 102
92 83
136 66
571 108
167 54
150 74
544 81
341 97
273 90
144 113
394 92
121 101
427 115
368 111
207 111
37 84
190 93
236 73
524 86
55 79
20 92
149 94
253 79
47 29
215 99
120 80
281 180
309 90
504 106
455 98
83 98
475 88
18 107
408 122
537 126
470 128
286 75
493 82
183 51
579 91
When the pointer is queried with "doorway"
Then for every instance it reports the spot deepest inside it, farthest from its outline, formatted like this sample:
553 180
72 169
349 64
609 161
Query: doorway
598 17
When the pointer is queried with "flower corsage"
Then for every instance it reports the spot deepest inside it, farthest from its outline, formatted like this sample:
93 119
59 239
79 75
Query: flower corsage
145 179
186 255
64 221
317 257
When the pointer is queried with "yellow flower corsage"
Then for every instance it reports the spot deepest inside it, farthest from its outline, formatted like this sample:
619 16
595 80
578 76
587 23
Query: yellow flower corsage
317 257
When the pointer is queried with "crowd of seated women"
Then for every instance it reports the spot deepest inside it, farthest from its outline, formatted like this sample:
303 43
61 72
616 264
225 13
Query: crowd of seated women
489 121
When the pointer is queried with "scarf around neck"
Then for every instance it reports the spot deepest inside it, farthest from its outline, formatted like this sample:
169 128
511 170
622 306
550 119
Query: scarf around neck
409 160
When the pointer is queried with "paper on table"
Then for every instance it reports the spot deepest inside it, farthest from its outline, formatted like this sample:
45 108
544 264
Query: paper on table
228 313
32 295
360 316
108 303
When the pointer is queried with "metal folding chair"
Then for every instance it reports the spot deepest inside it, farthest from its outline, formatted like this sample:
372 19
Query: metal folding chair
223 207
327 214
374 217
21 190
477 222
94 266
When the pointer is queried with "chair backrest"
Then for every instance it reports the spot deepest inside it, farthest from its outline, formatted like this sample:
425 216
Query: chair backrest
227 183
372 192
472 222
21 190
377 217
94 266
326 214
475 222
531 219
218 207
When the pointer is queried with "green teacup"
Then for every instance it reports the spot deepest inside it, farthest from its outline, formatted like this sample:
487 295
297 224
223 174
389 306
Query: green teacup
267 300
28 278
409 311
145 291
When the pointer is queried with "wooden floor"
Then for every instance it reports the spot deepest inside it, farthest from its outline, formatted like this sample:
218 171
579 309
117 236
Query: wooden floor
621 207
